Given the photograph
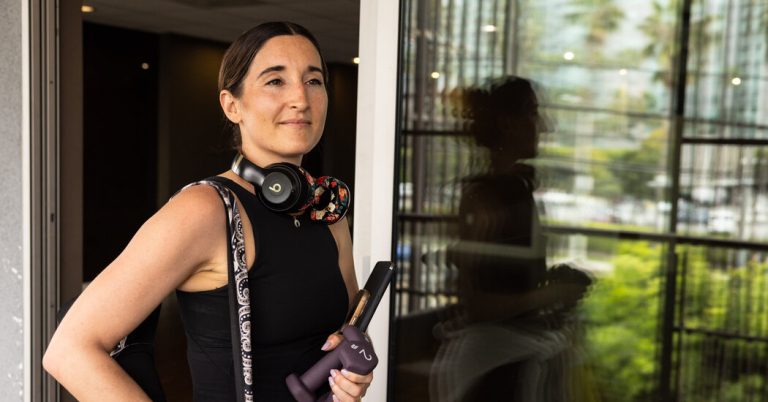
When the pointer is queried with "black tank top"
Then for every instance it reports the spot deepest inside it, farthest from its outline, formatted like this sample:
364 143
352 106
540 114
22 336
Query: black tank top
298 298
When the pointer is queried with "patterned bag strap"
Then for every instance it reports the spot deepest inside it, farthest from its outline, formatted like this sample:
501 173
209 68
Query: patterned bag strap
239 293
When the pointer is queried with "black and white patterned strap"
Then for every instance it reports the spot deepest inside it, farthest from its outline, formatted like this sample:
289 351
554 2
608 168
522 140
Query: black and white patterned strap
239 293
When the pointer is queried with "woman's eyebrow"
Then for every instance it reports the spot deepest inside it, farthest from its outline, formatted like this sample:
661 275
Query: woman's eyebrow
282 68
271 69
315 69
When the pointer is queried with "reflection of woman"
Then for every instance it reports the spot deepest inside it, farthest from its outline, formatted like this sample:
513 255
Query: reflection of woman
272 83
507 338
497 207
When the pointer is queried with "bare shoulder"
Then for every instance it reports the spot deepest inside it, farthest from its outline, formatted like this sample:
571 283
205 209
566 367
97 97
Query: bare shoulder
202 200
185 225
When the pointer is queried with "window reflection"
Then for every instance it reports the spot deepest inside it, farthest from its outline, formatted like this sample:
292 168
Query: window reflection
626 220
506 297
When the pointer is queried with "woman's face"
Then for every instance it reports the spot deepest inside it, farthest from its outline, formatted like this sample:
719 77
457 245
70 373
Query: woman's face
282 107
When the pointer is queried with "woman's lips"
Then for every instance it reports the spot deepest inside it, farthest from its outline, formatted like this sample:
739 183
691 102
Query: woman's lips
297 122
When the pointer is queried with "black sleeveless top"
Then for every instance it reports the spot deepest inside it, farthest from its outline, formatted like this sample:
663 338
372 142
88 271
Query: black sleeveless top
298 298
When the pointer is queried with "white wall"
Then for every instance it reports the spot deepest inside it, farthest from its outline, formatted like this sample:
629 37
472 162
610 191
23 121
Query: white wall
11 214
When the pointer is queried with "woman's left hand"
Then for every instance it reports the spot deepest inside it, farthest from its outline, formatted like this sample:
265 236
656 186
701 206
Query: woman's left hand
345 385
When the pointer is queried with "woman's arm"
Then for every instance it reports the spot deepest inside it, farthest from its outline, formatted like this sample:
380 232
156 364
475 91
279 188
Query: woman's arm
185 236
346 386
340 231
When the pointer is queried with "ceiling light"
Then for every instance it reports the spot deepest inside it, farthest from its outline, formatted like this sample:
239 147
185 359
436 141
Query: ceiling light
87 9
145 66
356 60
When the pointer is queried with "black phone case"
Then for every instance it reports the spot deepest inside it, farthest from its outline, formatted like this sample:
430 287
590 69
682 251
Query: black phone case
376 284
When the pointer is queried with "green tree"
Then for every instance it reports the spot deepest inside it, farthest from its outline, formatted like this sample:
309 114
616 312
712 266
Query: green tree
636 169
722 298
621 312
600 17
661 30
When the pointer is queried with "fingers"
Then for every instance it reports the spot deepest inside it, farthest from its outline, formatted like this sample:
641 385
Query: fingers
347 386
332 341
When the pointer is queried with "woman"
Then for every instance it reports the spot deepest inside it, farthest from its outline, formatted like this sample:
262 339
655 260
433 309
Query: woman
272 90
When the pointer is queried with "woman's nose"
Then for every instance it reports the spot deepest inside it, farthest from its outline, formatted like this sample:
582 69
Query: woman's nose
298 97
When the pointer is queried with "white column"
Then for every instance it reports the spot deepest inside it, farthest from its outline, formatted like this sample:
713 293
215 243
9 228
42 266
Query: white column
12 219
375 161
26 196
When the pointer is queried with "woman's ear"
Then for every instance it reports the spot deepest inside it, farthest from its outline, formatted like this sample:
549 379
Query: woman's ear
229 106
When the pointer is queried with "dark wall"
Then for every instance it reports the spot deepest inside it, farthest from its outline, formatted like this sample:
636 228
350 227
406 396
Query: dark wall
340 127
119 139
71 148
192 141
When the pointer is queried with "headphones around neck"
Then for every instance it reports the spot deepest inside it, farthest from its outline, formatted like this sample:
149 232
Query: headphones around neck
287 188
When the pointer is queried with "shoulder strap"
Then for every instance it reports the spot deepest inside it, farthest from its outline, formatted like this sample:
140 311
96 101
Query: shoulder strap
239 293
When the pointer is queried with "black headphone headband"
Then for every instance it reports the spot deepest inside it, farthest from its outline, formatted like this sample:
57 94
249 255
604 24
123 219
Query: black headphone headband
248 170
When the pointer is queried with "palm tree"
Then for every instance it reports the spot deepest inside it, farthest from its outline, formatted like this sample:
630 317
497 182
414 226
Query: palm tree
660 28
601 17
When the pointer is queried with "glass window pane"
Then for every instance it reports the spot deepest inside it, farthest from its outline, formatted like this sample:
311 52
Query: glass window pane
618 317
606 170
727 66
724 192
550 186
722 330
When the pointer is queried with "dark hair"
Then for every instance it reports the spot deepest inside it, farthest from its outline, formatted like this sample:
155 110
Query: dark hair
506 96
238 57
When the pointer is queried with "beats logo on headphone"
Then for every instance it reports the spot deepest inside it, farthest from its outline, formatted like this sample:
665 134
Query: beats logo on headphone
287 188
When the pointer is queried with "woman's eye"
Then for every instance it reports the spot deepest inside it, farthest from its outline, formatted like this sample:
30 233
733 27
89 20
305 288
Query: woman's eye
315 81
275 81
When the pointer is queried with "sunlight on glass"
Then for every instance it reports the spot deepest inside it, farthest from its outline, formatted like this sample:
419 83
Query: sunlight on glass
736 81
568 55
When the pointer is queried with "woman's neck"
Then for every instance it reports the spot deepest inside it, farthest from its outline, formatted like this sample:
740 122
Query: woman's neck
263 159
